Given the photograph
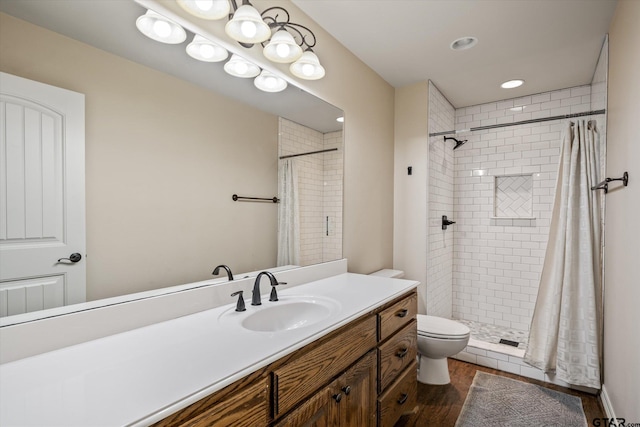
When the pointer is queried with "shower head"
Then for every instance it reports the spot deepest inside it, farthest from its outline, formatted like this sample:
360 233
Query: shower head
458 143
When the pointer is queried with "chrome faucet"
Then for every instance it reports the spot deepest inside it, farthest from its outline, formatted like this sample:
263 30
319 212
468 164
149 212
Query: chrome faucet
255 297
229 273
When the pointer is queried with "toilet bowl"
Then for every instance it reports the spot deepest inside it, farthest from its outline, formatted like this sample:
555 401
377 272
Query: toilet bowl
438 338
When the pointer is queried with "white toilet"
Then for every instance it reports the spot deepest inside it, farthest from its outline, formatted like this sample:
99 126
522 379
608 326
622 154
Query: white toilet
438 338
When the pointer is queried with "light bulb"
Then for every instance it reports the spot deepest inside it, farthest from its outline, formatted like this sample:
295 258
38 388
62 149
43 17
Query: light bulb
241 68
248 29
162 28
307 69
207 51
270 82
204 5
283 50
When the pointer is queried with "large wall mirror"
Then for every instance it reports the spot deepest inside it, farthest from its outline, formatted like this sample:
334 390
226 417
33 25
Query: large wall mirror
168 141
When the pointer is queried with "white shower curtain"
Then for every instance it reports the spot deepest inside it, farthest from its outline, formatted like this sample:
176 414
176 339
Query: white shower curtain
288 215
565 335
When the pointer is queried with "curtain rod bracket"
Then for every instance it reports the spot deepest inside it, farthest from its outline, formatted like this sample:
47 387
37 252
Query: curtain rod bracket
604 185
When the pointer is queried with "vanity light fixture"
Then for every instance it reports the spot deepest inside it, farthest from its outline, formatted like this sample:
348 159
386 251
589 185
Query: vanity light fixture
207 9
290 43
247 26
512 84
205 50
269 82
161 29
237 66
307 67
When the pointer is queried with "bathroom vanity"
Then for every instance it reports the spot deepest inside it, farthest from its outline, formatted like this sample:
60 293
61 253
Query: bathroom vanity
363 374
352 363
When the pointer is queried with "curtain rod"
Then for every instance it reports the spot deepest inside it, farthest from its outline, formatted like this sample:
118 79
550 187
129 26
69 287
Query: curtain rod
522 122
310 152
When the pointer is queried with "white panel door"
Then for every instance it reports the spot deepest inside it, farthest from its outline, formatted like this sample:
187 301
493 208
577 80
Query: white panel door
42 203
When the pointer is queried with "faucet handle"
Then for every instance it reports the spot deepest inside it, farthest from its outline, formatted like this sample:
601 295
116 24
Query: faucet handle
274 294
240 305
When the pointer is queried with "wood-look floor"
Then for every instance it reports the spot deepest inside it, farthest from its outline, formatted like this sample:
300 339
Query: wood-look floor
440 405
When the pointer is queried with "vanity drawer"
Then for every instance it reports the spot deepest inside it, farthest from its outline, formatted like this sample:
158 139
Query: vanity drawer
394 317
248 407
305 374
396 354
400 398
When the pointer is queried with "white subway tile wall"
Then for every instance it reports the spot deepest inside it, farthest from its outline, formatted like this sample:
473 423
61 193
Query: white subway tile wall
497 265
440 198
332 196
319 187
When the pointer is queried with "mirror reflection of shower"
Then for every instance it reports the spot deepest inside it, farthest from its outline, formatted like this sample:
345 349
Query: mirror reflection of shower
458 142
310 173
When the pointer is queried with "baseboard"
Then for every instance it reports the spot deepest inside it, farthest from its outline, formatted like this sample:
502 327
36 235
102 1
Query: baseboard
607 406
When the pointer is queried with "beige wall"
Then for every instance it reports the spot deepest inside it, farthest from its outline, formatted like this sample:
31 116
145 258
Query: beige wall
622 229
161 166
410 191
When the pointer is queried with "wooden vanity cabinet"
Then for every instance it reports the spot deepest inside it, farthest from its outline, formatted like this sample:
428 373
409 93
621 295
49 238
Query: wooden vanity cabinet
307 370
243 404
397 367
362 375
349 400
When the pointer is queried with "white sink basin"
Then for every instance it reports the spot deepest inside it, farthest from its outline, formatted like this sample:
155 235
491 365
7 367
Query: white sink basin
284 315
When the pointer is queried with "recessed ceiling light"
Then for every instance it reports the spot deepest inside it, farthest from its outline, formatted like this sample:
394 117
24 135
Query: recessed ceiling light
511 84
464 43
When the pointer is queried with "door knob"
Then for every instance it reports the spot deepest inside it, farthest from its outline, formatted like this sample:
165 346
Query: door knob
74 257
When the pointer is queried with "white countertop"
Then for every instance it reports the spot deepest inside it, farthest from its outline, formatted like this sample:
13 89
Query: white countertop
141 376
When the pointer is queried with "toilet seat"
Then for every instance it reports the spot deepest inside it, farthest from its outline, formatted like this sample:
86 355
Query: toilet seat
441 328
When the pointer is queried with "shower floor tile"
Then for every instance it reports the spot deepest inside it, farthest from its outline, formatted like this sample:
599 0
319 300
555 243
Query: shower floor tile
493 334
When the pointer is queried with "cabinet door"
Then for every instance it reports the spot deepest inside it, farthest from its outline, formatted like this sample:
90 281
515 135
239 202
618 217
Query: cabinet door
320 410
358 388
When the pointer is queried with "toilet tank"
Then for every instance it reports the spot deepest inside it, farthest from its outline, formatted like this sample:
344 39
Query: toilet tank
394 274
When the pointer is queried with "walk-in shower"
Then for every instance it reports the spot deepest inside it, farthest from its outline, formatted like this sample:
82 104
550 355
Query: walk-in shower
499 188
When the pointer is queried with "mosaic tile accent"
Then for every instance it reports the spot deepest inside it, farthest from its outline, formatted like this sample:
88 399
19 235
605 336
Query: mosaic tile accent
513 198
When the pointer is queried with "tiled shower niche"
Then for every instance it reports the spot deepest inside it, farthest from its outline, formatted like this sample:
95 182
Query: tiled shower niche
513 201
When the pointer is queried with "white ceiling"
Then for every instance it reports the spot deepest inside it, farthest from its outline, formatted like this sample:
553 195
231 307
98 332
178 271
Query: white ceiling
551 44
